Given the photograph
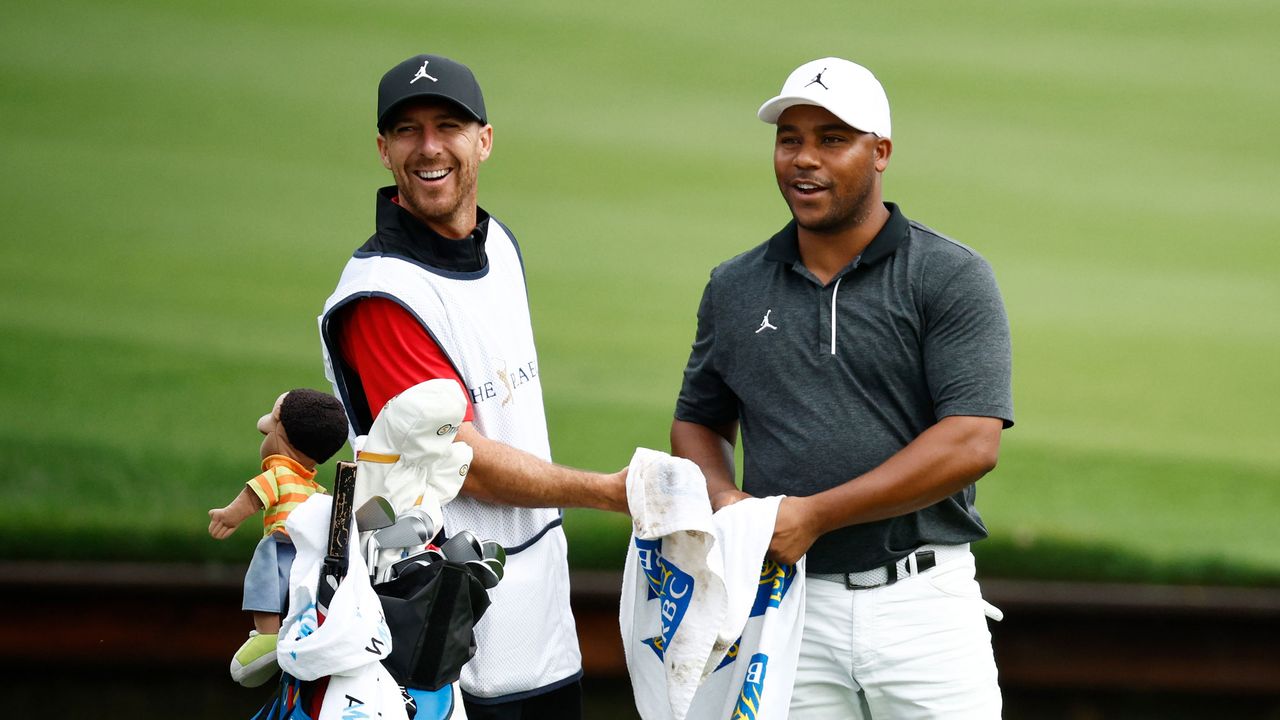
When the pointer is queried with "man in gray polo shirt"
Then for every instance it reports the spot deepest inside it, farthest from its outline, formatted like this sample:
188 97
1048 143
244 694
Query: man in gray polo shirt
865 359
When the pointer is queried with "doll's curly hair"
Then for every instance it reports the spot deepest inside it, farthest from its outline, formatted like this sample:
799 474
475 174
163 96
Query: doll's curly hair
315 422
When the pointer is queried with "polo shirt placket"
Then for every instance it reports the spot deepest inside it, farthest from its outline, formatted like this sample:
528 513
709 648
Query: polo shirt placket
828 308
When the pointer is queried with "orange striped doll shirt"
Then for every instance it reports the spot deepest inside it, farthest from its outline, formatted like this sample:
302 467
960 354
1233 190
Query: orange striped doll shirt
283 485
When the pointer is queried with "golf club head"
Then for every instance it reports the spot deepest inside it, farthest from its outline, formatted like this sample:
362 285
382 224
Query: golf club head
462 547
376 513
483 572
398 567
412 528
370 559
385 574
493 551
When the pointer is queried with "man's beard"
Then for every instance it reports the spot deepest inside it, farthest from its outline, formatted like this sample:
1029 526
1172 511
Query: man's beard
844 214
433 209
436 209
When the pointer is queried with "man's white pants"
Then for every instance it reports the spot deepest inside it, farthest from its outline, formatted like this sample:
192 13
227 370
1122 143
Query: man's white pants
918 648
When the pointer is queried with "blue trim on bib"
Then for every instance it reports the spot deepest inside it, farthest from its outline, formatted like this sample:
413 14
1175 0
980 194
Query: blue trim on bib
528 543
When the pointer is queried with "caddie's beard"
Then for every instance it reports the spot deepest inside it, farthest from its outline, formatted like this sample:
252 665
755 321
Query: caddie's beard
845 212
435 209
449 204
439 208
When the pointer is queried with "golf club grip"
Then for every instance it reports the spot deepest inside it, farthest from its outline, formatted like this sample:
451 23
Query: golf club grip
335 561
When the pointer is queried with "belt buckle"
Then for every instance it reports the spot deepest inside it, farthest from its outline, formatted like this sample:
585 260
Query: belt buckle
924 560
891 576
849 584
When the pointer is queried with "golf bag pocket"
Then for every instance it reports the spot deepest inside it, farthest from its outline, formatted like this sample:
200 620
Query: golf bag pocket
431 610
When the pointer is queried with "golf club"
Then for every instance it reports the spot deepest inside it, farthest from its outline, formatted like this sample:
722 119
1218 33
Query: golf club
376 513
412 527
493 551
484 572
462 547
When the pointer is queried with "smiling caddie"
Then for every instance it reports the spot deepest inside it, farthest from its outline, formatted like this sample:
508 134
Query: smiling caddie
433 147
439 291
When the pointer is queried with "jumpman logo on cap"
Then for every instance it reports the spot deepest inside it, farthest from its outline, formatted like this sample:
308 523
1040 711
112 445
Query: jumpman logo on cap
818 79
422 73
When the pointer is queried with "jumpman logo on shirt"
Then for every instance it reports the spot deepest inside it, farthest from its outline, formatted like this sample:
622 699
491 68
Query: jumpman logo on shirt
765 324
422 73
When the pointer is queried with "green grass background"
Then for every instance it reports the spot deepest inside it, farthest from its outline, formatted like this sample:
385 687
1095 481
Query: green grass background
183 181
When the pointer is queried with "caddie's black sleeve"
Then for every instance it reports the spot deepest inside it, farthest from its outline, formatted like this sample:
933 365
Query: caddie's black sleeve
704 397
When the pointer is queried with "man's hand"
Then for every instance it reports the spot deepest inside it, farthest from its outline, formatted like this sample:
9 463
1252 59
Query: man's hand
615 492
794 531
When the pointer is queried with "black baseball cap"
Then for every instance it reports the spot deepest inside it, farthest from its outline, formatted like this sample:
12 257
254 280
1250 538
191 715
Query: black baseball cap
428 76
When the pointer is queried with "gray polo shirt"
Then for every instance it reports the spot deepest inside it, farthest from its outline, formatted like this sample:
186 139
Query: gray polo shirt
827 382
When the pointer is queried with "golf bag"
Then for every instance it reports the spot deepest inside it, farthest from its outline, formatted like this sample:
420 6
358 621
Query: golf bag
432 610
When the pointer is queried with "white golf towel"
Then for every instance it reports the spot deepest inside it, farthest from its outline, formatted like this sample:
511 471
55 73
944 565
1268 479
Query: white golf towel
710 628
354 638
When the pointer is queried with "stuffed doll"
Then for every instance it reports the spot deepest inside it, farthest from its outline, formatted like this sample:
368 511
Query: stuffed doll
304 428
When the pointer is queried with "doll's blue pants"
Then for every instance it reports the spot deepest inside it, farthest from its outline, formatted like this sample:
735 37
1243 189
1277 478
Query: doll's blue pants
266 584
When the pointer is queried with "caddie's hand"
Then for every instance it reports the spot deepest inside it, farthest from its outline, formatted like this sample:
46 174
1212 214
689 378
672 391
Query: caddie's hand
794 531
220 525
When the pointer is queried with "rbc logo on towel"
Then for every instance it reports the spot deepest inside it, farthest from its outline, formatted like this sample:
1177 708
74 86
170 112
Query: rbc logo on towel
752 689
775 581
669 585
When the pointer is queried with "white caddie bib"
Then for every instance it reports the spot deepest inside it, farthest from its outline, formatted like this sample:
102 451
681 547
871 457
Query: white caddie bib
527 639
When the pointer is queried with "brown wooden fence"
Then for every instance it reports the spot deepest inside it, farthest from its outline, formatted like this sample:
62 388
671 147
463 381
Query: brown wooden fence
1054 635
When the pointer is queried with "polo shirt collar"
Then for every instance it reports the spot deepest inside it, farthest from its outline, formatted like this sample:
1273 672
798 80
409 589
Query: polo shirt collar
275 461
400 232
785 246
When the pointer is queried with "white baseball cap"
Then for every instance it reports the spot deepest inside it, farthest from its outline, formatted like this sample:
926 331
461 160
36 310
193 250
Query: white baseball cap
845 88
